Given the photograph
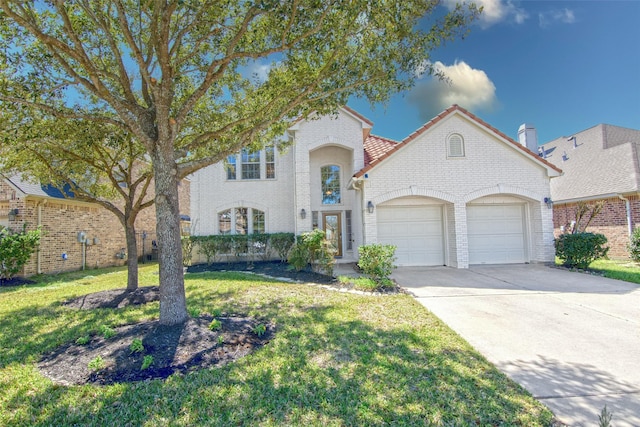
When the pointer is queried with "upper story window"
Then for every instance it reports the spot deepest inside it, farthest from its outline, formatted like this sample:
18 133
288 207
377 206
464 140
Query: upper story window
330 181
455 145
251 165
241 220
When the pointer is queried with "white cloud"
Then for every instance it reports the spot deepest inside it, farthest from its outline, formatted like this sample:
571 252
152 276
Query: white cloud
468 87
561 16
495 11
259 71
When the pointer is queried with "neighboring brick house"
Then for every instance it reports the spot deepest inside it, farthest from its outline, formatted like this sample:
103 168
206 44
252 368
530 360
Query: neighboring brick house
61 219
600 163
455 192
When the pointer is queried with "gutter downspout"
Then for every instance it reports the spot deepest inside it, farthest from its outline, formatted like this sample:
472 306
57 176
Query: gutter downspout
628 207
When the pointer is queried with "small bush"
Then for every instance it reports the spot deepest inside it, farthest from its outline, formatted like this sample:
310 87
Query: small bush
187 250
634 245
96 364
136 346
83 340
580 249
107 332
215 325
299 257
260 330
376 261
16 249
313 249
146 362
282 243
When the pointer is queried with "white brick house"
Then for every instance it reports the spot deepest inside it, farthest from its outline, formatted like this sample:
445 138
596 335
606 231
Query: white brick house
455 192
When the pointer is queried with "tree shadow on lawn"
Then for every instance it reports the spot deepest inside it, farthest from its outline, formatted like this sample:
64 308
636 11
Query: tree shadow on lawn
319 369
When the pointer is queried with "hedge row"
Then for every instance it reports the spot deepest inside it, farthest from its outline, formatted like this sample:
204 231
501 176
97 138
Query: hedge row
253 246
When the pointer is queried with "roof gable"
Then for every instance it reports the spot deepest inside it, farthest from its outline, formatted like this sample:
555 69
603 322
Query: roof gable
41 190
600 161
457 110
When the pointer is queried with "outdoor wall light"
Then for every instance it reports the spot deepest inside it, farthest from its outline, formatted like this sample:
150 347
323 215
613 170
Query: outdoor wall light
548 202
370 206
303 213
13 213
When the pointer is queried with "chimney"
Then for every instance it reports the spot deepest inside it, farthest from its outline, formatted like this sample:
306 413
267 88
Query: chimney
528 136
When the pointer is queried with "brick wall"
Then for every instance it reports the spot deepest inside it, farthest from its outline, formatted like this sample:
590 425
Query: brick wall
611 221
61 220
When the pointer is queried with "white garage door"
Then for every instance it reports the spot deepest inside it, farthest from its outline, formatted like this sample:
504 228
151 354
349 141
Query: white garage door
415 230
496 234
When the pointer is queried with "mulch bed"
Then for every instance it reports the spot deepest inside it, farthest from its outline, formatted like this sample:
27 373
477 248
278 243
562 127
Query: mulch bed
175 349
270 268
16 281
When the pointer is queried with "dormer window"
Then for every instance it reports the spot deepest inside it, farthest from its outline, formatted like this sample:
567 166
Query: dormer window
455 145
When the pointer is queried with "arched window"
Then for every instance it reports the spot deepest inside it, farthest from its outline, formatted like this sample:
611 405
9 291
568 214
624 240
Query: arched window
330 181
455 145
241 220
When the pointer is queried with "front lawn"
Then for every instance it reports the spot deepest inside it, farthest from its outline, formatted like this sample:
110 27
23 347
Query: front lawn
336 359
626 270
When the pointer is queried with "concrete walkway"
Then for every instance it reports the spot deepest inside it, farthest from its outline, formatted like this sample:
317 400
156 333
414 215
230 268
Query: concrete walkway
571 339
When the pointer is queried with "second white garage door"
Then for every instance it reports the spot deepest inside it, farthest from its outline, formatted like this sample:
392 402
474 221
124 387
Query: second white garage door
416 231
496 234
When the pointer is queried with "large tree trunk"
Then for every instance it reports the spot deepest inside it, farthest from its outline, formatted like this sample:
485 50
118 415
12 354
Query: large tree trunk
132 257
173 305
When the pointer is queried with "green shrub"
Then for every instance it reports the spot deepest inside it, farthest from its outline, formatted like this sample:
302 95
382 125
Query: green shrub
281 243
136 346
299 256
376 260
146 362
634 245
16 249
580 249
96 364
211 246
239 244
259 245
187 250
313 249
215 325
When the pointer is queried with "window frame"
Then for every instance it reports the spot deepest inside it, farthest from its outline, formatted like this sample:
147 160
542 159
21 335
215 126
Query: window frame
240 167
459 152
326 191
242 218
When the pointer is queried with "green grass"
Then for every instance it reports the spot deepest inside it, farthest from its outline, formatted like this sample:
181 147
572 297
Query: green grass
337 359
627 270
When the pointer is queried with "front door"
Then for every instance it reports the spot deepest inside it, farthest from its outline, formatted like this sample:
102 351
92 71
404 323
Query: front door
333 230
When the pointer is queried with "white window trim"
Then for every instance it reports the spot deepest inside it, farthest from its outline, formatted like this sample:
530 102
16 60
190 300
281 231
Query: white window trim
263 167
460 154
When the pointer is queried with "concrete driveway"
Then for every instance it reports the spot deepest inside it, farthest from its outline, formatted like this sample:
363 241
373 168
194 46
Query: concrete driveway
571 339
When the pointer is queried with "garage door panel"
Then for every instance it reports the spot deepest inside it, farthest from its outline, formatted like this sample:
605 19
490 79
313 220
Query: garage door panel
416 231
496 234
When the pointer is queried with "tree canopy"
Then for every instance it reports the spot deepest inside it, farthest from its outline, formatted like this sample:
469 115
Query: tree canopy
179 76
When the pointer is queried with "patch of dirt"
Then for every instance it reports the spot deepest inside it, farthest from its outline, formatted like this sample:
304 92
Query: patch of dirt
176 349
275 269
16 281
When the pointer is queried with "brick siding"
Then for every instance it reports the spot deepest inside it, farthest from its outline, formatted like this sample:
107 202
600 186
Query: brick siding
611 221
61 220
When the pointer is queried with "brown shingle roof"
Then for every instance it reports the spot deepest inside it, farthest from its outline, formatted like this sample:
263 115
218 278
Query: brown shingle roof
438 118
376 147
603 162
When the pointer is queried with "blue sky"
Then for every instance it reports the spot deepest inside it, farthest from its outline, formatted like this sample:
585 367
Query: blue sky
563 66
